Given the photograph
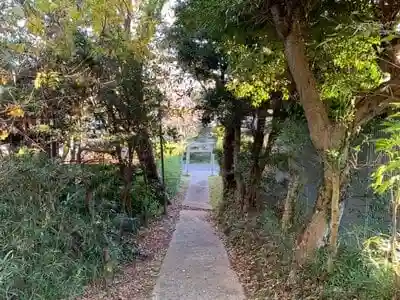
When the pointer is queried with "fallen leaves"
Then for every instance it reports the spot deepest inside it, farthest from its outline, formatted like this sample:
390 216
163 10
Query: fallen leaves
138 278
15 111
4 134
263 264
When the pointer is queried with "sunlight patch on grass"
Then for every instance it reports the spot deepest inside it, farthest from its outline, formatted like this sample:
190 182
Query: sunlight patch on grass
215 190
173 174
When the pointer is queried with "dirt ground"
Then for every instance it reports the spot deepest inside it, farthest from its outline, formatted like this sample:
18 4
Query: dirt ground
137 279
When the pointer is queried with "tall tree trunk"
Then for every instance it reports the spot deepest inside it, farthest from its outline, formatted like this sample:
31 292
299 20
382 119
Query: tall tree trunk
144 150
54 146
324 134
326 216
335 218
288 27
255 171
239 180
259 159
313 233
228 160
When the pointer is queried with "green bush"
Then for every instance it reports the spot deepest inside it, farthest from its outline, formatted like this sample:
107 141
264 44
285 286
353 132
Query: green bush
50 245
170 149
354 277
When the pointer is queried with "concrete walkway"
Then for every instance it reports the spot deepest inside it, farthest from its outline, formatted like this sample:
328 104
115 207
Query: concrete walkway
196 266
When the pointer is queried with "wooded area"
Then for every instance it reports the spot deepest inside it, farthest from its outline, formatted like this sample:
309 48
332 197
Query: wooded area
305 73
298 90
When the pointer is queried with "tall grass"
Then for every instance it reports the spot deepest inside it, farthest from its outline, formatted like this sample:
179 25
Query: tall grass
353 276
215 191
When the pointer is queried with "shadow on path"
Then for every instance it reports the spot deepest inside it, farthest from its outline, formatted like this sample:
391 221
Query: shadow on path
196 266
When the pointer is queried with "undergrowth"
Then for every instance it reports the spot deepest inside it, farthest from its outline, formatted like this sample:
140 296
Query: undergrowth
353 277
51 246
263 253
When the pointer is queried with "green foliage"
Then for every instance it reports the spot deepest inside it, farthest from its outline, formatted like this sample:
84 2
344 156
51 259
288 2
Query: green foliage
215 192
170 149
257 72
387 176
347 64
293 136
51 246
352 278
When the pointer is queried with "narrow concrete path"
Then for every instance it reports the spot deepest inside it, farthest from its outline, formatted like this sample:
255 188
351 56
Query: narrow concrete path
196 266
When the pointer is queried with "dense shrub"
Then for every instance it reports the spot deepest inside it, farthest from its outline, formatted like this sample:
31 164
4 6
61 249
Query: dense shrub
353 277
170 149
51 245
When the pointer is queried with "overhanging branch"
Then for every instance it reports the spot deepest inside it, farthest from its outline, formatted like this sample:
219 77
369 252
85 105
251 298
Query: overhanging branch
377 103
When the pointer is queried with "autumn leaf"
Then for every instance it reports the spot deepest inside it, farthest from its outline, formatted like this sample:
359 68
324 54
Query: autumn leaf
38 79
16 111
43 128
4 134
3 80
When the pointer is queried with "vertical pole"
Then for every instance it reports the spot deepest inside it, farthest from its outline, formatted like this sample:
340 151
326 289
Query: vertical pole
187 160
162 156
212 164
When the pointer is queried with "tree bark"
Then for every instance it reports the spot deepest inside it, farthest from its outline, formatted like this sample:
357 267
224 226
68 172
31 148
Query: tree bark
290 200
313 233
326 216
324 135
335 218
144 150
239 180
229 184
255 171
289 29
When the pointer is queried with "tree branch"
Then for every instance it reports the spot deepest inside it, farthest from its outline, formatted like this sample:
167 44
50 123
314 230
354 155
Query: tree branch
377 103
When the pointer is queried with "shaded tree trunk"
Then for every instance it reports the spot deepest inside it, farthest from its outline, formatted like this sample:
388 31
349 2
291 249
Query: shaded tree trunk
239 180
313 233
126 169
144 150
259 159
54 149
227 161
145 153
325 218
324 134
256 171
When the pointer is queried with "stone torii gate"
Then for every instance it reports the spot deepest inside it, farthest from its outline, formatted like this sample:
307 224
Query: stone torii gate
201 145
